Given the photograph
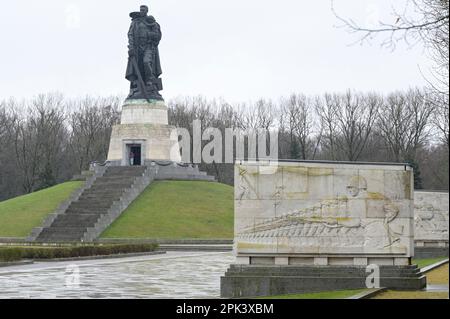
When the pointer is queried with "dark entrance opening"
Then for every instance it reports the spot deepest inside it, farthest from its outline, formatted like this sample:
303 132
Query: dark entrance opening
135 155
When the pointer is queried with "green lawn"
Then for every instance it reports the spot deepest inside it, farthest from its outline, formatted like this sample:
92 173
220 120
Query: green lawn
339 294
421 263
177 210
18 216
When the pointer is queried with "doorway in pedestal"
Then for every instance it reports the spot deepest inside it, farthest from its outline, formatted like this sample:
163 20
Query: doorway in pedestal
134 154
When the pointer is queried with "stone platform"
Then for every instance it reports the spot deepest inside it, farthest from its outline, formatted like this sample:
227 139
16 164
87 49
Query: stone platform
256 281
303 226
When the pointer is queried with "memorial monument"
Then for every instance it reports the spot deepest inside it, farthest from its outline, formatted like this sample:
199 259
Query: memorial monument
431 224
143 134
315 226
143 148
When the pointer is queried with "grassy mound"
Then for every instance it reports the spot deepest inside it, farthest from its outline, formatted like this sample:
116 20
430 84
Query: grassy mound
18 216
178 210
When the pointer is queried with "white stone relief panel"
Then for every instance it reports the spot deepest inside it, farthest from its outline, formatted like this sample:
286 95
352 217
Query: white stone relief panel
320 209
431 216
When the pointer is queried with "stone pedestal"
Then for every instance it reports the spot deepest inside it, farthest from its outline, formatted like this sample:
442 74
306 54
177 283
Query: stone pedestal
143 112
241 281
144 128
328 216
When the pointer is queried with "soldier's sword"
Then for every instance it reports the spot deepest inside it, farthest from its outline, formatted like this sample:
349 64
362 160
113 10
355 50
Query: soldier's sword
141 82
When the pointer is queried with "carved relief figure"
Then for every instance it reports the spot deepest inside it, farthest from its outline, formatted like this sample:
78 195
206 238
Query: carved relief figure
329 222
430 221
357 186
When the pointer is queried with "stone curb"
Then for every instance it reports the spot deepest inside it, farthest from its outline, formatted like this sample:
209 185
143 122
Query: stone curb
102 257
13 240
426 269
16 263
218 248
368 294
187 241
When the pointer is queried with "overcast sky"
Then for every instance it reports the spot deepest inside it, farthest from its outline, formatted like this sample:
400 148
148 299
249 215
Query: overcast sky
236 49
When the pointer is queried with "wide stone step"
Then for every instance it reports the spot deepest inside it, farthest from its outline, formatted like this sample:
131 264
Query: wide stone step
124 177
124 171
110 185
99 201
86 210
83 205
329 271
102 198
182 176
125 168
114 178
76 220
53 234
392 274
103 191
60 239
109 189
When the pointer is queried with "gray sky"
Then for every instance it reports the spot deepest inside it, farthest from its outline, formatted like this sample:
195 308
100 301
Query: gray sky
236 49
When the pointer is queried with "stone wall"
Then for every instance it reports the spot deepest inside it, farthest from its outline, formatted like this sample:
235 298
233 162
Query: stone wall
323 213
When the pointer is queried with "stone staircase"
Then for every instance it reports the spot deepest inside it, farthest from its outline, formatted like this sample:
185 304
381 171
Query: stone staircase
106 194
92 204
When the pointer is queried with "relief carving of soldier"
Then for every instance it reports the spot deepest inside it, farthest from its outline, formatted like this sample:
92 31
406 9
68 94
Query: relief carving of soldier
144 67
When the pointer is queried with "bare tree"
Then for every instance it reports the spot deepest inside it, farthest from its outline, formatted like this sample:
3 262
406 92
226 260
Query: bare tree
27 153
404 122
91 126
424 21
8 170
297 119
327 111
39 140
441 117
433 161
356 116
258 115
418 20
48 139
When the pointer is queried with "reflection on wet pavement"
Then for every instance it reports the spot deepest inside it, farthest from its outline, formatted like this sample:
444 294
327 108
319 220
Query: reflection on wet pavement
176 275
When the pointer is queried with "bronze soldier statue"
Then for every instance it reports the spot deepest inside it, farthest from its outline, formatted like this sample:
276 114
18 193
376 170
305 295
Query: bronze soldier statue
144 67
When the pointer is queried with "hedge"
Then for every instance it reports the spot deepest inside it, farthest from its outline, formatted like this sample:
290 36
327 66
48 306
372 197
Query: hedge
12 253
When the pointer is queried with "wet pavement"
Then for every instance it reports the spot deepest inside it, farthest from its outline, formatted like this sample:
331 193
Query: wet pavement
172 275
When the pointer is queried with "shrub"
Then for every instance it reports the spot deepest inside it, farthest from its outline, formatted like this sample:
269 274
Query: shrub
10 254
48 252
